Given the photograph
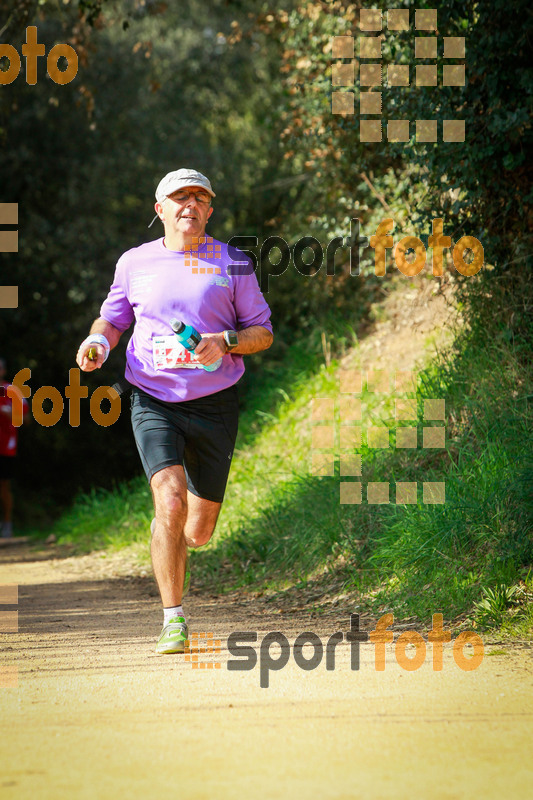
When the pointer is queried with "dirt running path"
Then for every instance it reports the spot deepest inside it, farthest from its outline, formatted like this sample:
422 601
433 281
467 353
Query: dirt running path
97 715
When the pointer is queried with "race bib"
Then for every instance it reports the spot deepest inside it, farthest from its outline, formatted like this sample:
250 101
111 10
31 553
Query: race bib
168 353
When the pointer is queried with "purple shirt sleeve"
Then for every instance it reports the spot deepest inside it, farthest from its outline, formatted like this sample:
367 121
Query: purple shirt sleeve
152 285
251 307
116 308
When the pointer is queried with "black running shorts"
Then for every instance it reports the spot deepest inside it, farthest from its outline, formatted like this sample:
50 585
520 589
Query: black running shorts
198 434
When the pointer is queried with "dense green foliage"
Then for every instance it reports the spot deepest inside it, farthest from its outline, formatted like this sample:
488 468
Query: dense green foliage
156 88
281 527
483 184
242 91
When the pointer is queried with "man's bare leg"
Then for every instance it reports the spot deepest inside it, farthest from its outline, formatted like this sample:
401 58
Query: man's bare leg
6 499
202 517
169 550
182 519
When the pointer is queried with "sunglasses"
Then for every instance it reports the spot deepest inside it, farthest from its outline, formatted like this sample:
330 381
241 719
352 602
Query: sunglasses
182 196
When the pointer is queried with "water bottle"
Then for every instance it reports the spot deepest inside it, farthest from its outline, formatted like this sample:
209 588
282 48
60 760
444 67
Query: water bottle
190 339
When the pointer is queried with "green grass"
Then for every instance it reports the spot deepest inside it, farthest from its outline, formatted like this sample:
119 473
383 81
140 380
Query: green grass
412 559
107 519
282 527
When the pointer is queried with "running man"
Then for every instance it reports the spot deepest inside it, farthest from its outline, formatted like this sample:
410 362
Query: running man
184 417
8 452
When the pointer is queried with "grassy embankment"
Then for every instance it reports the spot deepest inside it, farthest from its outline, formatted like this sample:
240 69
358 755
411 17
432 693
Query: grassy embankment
282 527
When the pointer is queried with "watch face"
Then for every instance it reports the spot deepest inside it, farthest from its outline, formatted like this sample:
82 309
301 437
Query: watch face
232 340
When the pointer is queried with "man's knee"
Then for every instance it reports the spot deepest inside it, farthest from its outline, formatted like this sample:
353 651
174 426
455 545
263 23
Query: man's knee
201 521
199 536
170 496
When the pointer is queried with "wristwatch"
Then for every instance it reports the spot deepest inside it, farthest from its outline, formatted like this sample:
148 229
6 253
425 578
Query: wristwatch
231 339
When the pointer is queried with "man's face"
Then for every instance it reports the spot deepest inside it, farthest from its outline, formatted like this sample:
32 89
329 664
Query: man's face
185 216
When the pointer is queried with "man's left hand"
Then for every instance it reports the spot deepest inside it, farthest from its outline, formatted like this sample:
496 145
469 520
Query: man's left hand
211 348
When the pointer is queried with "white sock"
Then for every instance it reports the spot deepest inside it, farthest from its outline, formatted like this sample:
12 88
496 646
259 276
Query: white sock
174 611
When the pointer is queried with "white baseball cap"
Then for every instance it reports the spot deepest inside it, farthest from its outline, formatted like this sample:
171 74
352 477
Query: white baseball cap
180 179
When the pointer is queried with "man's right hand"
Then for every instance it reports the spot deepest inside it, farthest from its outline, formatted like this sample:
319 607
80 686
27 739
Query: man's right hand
82 358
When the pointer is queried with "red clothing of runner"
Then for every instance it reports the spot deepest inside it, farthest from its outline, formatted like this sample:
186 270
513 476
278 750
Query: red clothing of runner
8 432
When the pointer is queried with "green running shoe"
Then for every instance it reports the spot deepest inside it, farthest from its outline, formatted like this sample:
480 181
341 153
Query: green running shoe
187 581
173 637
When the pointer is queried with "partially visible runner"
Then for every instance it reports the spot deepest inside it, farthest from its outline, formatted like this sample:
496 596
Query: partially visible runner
184 417
8 451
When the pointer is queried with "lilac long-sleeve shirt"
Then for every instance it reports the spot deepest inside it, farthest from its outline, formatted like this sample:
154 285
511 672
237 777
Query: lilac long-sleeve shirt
153 285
